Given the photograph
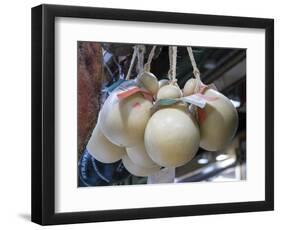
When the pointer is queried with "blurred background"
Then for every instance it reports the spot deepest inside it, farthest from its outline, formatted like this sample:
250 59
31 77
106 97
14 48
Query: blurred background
102 65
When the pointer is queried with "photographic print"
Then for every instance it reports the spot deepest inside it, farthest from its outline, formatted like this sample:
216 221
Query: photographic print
161 106
151 114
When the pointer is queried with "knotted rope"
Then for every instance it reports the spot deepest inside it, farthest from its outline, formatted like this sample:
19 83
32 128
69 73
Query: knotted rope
173 64
149 60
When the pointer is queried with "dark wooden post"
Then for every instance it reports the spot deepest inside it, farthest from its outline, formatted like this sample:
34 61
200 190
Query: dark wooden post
90 78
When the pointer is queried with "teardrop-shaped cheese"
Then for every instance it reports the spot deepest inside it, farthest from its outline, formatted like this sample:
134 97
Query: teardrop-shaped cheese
102 149
218 121
140 157
169 91
136 169
171 137
148 81
189 87
123 121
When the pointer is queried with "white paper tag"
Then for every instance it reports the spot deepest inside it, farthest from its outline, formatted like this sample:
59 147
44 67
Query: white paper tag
195 100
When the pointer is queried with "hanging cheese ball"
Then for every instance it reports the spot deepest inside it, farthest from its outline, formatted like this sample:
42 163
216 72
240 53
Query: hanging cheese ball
139 156
171 137
169 91
148 81
123 121
136 169
102 149
189 87
163 82
218 121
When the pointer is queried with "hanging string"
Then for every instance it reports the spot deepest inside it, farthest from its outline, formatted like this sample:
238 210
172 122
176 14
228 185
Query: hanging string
132 62
170 62
118 66
196 71
140 54
149 60
173 64
174 49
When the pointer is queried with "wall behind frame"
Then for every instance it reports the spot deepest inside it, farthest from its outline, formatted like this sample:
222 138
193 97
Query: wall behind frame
15 112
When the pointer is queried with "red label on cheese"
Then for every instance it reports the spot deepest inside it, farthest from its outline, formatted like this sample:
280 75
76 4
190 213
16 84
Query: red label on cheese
135 105
134 90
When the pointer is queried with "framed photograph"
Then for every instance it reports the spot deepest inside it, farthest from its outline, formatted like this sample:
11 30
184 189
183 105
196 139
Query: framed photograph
143 114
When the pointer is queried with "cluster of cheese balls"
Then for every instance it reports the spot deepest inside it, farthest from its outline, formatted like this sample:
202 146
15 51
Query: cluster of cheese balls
169 137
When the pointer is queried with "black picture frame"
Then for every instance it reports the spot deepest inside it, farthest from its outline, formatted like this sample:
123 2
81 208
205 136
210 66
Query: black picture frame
43 114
